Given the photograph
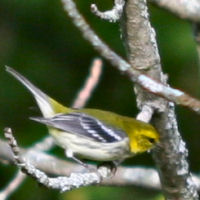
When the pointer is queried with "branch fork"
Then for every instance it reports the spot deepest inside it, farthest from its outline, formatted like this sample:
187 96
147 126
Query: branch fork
62 183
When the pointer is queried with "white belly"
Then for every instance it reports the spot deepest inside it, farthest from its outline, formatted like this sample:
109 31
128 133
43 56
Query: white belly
92 150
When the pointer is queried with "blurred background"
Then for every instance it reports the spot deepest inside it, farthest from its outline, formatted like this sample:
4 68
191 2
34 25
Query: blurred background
38 39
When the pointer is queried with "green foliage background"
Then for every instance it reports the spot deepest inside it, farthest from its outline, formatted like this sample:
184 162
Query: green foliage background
38 39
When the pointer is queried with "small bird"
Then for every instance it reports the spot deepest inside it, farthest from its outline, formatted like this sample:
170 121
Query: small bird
91 133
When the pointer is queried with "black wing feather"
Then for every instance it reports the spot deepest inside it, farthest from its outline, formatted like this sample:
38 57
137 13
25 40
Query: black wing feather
84 125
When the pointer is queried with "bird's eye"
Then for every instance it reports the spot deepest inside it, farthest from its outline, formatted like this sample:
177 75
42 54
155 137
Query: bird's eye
152 140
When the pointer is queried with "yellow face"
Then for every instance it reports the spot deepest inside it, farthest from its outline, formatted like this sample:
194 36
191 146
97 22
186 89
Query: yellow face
143 139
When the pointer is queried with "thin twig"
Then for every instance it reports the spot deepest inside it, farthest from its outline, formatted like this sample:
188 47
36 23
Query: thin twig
12 186
90 84
139 176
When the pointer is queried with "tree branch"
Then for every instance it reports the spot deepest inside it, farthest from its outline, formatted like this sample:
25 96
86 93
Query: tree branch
171 156
184 9
142 79
75 180
142 50
138 176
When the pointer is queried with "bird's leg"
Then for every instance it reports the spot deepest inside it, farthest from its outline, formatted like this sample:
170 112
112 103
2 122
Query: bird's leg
70 154
111 165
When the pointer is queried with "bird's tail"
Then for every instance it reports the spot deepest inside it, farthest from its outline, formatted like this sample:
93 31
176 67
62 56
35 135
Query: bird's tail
48 106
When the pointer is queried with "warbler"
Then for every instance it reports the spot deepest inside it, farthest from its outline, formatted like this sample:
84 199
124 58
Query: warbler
91 133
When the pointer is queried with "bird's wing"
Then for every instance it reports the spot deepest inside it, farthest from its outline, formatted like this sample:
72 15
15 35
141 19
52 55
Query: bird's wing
84 125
